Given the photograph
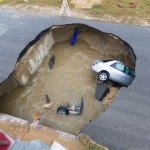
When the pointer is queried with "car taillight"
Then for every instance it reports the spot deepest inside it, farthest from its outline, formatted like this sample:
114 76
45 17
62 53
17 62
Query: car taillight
96 62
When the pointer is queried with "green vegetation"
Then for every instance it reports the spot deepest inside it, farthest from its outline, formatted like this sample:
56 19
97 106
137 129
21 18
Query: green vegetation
39 2
138 11
122 7
88 143
110 7
97 6
94 147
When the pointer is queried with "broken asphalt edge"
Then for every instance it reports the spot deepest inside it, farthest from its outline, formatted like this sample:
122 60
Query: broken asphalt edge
8 119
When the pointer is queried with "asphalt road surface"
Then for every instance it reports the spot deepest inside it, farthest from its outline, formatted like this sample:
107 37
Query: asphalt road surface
125 125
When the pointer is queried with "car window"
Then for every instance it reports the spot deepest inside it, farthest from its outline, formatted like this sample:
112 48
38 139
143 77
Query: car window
129 71
118 66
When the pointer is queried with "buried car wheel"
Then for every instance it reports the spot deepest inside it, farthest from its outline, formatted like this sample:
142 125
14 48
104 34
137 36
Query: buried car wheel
103 76
62 110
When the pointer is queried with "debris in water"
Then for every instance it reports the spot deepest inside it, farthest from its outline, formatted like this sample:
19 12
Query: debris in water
73 109
101 91
36 116
48 102
74 35
51 62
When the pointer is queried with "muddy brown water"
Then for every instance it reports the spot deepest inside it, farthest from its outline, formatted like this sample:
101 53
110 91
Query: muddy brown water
70 79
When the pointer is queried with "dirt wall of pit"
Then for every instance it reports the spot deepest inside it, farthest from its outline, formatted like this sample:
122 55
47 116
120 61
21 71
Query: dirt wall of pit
32 56
29 64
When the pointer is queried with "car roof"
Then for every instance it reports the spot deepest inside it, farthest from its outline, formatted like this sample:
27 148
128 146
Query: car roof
113 61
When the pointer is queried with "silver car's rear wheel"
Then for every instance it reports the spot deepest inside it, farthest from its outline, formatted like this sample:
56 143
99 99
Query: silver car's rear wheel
103 76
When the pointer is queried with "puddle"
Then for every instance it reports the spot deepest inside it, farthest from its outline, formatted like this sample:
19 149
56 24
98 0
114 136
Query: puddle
70 79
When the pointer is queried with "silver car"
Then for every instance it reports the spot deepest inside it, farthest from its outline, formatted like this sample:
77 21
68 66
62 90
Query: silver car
114 70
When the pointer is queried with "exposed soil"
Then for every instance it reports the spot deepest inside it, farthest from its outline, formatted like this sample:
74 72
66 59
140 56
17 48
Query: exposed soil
78 11
26 133
85 3
87 142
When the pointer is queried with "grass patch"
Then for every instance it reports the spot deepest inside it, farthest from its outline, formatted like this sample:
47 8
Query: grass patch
112 8
88 143
98 10
39 2
94 147
96 6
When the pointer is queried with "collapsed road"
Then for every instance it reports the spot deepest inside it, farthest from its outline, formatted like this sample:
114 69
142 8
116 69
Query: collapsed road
70 79
125 125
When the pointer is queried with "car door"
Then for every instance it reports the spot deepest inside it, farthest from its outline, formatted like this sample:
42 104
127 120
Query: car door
117 73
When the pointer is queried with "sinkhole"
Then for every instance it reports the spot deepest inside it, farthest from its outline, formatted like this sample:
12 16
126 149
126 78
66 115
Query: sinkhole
69 79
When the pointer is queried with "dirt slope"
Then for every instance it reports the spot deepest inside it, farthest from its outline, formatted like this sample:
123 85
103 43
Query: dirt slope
85 3
82 9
